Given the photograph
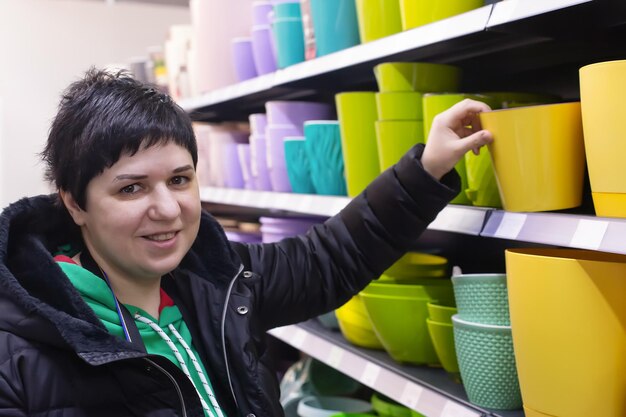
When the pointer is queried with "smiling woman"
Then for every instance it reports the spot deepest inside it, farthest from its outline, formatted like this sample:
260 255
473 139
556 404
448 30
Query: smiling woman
121 297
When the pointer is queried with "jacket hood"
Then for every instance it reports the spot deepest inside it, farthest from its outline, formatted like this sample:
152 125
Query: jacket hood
38 301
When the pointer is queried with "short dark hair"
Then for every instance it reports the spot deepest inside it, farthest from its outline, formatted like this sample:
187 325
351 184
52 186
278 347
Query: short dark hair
102 116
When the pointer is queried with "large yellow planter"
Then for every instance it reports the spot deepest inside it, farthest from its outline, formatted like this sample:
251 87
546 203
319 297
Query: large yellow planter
568 315
538 156
602 91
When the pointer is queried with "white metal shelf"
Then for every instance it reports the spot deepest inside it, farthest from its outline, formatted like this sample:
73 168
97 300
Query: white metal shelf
568 230
514 10
427 390
316 205
454 29
458 219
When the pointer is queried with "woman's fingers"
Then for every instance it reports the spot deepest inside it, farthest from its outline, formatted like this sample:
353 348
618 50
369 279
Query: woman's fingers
466 112
474 141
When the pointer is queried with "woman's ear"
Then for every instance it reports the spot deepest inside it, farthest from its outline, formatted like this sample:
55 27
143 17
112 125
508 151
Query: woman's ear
77 213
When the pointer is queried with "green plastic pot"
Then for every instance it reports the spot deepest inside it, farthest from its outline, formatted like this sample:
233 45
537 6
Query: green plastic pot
400 324
423 77
482 298
394 139
399 105
355 325
442 336
441 313
356 112
418 265
487 364
433 290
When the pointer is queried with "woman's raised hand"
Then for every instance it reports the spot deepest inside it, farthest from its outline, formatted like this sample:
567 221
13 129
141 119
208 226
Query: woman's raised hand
453 133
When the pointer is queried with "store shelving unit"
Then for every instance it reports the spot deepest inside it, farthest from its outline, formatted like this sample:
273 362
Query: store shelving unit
483 34
567 230
429 391
511 44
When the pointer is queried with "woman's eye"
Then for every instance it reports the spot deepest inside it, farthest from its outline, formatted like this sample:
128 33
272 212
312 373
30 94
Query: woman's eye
130 189
179 180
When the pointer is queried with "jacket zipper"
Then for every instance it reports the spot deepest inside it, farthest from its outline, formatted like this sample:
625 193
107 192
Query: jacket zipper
180 393
223 331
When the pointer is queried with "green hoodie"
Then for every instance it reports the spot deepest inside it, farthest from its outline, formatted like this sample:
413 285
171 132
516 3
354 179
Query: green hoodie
99 297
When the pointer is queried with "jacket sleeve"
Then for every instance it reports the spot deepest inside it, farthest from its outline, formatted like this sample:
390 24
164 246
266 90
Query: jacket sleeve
311 274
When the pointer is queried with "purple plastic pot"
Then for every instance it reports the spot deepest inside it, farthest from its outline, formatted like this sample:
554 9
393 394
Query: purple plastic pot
243 59
233 177
243 154
296 113
262 50
260 11
258 122
258 163
275 154
217 164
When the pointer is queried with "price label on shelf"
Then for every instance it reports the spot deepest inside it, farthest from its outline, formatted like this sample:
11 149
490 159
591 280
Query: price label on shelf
370 374
589 234
335 356
297 340
511 225
411 395
452 409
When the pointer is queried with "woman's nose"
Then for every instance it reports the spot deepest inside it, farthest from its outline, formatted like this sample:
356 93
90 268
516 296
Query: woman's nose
165 205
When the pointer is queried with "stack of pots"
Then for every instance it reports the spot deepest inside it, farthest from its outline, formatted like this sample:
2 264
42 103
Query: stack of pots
439 323
335 25
357 116
263 49
399 104
288 33
243 58
484 344
378 128
258 153
286 119
218 157
395 308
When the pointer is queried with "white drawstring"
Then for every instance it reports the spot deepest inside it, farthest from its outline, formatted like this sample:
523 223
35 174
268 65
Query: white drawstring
183 365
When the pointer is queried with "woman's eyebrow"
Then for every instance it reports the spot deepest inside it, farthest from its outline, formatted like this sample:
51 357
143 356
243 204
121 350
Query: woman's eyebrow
130 177
141 177
182 169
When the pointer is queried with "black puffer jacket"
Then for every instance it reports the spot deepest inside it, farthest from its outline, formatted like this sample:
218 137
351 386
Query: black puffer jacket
57 359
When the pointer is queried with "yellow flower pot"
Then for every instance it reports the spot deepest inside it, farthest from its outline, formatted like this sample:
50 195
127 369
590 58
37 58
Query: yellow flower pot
602 90
538 156
568 315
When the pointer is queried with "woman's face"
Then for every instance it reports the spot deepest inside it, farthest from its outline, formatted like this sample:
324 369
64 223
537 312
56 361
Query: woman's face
143 213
